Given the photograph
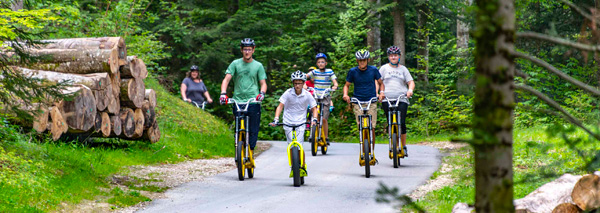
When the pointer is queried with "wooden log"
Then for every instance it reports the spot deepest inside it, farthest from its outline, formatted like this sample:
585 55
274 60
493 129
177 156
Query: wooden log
99 83
586 193
40 120
566 208
149 114
138 118
135 68
127 122
115 78
153 133
58 126
132 92
114 105
103 124
150 95
548 196
80 112
88 43
115 120
80 61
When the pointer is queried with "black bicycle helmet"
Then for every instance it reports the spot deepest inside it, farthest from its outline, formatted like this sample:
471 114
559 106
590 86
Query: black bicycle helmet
247 42
362 54
394 50
194 68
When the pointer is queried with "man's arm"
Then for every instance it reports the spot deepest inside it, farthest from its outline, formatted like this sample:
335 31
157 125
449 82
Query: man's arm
225 83
263 86
346 87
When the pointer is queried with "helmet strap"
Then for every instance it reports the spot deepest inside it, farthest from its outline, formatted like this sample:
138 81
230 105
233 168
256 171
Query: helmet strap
394 64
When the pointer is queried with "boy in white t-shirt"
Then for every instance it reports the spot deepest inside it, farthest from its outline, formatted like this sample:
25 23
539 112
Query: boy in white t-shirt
294 102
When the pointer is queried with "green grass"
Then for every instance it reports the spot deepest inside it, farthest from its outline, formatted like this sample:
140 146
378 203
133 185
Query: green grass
538 158
40 175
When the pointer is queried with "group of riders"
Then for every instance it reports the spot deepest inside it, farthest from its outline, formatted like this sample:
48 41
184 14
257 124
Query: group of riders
391 80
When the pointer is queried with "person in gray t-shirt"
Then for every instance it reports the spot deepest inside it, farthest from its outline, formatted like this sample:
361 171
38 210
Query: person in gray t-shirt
193 88
398 82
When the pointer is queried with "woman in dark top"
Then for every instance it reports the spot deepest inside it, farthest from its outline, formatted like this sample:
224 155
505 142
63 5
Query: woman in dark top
193 88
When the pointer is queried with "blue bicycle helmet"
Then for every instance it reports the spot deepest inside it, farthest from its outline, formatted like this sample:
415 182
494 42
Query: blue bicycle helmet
320 55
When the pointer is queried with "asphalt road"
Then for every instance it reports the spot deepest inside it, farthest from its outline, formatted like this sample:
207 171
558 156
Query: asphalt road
335 183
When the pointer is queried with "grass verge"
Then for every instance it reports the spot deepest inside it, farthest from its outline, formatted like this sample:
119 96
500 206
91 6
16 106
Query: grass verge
37 174
540 156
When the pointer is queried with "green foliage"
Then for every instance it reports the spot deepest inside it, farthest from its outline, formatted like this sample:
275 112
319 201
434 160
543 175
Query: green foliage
441 111
122 199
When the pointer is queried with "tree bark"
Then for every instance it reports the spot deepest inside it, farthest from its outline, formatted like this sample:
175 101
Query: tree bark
374 35
16 5
80 61
462 28
423 52
132 92
138 118
399 29
464 82
99 83
80 112
117 43
149 114
493 105
127 123
150 96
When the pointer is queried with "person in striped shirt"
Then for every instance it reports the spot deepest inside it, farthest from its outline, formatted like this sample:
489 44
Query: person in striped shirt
322 78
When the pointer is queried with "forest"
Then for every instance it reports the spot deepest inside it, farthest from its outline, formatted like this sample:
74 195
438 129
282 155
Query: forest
438 39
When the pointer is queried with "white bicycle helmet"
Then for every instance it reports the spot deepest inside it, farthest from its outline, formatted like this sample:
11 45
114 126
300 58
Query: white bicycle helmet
298 75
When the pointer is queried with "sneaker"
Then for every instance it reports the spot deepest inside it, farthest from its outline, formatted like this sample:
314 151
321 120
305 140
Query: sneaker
405 152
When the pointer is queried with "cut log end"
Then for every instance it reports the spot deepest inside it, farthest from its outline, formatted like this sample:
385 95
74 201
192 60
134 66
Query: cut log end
586 193
115 120
566 208
153 133
138 118
127 122
150 95
40 121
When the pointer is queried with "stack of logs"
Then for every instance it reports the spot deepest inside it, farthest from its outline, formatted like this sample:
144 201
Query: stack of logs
109 95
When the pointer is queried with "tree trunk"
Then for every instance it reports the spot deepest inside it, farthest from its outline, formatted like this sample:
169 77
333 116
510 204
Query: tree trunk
115 120
464 82
132 92
80 112
138 118
153 133
149 114
374 34
16 5
493 106
127 123
399 30
423 52
90 43
103 124
135 68
80 61
99 83
150 96
586 193
58 126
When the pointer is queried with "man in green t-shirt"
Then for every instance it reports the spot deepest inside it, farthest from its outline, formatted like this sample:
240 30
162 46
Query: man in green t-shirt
246 73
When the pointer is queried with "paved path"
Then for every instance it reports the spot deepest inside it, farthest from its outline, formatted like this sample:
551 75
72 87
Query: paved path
335 183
